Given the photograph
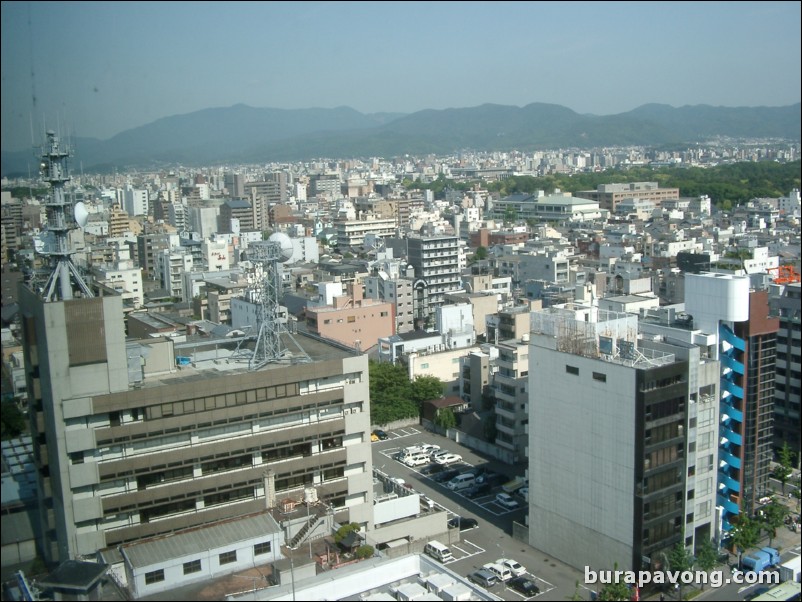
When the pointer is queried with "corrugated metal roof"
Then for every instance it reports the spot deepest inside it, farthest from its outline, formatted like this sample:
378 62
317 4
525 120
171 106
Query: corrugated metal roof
200 539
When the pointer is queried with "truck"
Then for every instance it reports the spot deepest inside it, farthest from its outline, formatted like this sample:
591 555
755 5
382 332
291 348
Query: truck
761 560
790 569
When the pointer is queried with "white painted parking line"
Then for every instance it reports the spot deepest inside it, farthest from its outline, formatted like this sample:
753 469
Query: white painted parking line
472 550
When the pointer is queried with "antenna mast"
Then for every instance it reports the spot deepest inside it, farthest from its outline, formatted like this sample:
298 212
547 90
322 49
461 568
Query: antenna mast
54 170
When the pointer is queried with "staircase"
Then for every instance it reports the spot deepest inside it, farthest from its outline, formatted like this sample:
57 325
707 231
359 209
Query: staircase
299 537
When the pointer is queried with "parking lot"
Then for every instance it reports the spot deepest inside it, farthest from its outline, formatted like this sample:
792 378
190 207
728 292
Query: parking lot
491 539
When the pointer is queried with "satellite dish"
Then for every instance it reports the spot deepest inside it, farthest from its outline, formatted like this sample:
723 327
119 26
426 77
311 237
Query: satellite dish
81 214
286 245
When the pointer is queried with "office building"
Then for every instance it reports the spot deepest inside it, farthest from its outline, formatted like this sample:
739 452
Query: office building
437 264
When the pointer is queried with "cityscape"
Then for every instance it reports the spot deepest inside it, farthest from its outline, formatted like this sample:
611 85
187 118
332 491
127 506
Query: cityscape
484 373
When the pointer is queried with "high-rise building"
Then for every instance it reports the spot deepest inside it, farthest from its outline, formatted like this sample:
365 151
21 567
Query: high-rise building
136 439
613 427
436 261
729 306
785 302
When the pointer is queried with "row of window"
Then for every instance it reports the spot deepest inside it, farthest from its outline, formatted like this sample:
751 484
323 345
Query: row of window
194 566
599 376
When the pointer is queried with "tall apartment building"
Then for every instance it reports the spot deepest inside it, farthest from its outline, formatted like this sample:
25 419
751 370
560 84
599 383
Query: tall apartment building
235 209
731 308
135 439
235 185
436 261
785 303
613 430
609 195
135 201
351 233
396 291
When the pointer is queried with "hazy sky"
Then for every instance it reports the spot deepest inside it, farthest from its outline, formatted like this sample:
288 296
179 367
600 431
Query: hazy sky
98 68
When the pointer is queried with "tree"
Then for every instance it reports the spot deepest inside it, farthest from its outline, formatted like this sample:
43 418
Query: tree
13 420
364 551
615 591
481 253
343 531
425 388
706 557
445 419
772 517
680 559
744 535
784 471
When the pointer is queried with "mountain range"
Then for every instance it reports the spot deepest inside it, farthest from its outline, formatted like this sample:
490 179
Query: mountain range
244 134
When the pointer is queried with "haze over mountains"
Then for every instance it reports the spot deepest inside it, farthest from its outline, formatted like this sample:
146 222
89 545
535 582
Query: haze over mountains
243 134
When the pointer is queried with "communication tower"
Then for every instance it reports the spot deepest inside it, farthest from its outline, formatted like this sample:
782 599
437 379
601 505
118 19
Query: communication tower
64 276
269 344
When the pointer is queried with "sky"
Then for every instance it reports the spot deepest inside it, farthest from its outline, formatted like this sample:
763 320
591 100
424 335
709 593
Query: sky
95 69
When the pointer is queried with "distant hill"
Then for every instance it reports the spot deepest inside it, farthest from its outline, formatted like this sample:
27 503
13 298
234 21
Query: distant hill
245 134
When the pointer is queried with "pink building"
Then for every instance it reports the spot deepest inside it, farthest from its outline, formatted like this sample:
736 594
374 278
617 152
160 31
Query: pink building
352 319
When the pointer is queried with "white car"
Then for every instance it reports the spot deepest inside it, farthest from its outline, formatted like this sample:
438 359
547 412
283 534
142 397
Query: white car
516 568
505 501
448 459
524 492
428 448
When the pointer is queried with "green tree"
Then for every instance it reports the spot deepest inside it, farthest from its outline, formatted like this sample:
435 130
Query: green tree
680 559
364 551
481 253
425 388
784 471
12 419
706 556
615 591
744 535
344 530
772 517
445 419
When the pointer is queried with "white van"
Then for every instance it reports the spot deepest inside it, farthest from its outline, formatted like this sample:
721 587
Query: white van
418 459
438 551
501 572
461 481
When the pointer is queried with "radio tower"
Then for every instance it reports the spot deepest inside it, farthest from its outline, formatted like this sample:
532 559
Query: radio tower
269 346
60 214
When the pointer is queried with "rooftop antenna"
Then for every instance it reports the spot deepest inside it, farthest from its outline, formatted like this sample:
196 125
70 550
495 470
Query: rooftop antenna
54 170
269 347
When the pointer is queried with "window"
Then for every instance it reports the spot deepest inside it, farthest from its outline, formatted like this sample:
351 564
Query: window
600 377
192 567
571 369
261 548
228 557
154 577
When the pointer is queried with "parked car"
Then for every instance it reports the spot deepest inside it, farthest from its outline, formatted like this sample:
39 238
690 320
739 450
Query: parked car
439 452
380 434
515 484
524 586
477 490
432 469
464 523
506 501
446 475
448 459
428 448
524 492
516 568
374 437
483 577
492 478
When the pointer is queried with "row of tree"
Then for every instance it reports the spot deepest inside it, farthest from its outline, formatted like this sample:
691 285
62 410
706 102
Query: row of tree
726 185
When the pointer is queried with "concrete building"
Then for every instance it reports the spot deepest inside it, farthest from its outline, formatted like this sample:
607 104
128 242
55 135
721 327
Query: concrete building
731 308
135 439
396 291
352 320
351 233
785 303
609 195
437 264
609 434
236 215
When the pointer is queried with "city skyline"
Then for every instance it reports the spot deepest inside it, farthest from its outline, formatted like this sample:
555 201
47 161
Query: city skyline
95 70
